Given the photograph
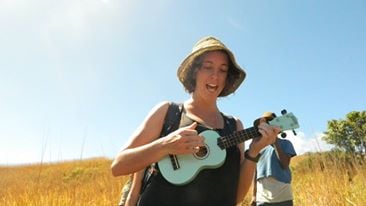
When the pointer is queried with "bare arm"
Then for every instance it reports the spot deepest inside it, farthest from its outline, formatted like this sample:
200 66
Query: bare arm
136 185
246 172
145 148
282 156
254 194
248 167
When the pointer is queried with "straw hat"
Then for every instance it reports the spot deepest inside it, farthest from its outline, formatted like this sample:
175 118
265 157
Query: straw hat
267 115
211 44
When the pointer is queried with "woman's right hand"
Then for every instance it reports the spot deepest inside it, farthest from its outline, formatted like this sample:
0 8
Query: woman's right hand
184 140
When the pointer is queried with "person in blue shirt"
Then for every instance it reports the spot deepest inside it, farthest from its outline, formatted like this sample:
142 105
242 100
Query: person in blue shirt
272 182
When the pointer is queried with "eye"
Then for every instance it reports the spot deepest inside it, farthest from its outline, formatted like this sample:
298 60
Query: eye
224 70
207 68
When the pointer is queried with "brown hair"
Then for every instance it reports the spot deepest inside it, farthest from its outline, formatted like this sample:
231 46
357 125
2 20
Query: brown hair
190 81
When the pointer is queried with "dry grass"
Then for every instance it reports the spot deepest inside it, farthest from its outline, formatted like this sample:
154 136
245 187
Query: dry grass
87 182
318 179
329 179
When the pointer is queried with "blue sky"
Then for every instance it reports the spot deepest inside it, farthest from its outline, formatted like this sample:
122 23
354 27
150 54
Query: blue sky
77 77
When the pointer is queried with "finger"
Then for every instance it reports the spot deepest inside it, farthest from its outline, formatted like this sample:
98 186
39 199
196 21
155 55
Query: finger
262 120
271 129
194 140
192 126
262 126
190 129
189 132
263 132
277 130
201 140
196 149
193 149
267 132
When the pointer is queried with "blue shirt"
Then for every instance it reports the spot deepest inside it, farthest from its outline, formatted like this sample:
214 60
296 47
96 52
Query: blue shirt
269 164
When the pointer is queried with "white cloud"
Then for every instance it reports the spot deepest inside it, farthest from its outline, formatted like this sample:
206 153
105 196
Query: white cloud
304 144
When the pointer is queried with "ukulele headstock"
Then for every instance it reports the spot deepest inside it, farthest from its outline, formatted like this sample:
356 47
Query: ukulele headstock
287 121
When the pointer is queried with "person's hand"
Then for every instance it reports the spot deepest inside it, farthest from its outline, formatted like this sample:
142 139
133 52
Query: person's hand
185 140
269 136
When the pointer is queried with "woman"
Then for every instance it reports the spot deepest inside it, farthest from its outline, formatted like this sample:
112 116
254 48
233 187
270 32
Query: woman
209 72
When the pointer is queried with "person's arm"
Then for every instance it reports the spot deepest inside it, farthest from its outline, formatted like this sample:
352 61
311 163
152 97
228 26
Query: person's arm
143 147
146 148
248 167
136 184
254 194
281 155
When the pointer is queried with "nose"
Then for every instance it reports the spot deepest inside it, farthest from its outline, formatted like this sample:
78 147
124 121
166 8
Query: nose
214 73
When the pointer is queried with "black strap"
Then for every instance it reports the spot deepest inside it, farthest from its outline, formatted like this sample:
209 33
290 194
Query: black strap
231 122
172 118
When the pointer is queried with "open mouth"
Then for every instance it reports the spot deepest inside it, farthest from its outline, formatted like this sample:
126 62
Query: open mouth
212 87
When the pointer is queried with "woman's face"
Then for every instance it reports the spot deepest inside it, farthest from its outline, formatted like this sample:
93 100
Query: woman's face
211 76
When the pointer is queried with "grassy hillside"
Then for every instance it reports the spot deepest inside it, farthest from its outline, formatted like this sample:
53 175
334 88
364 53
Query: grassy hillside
329 179
318 179
87 182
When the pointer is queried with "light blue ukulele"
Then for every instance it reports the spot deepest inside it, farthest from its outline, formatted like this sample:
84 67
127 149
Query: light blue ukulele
182 169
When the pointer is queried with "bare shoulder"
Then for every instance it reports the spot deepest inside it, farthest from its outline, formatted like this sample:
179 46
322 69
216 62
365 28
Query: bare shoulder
161 106
239 124
156 115
151 127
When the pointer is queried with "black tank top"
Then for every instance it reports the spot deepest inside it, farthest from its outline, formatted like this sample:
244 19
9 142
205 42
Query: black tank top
214 187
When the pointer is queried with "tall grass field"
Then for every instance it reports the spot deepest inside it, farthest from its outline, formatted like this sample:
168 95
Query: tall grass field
319 179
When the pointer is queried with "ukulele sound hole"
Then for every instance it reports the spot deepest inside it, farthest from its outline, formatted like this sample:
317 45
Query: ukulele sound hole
202 153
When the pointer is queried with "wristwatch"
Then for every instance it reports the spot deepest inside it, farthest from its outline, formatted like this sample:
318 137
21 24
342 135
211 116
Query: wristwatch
248 157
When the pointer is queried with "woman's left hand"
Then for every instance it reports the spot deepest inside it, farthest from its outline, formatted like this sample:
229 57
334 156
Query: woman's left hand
269 135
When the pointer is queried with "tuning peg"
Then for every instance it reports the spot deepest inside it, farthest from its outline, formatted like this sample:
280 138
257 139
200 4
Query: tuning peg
294 132
284 111
283 134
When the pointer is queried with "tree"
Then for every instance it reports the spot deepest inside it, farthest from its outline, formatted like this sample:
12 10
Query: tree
348 134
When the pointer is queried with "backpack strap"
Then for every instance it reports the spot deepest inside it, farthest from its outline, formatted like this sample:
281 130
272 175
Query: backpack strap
230 121
172 118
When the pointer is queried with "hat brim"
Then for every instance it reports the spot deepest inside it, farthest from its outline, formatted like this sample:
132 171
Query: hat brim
188 61
267 115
